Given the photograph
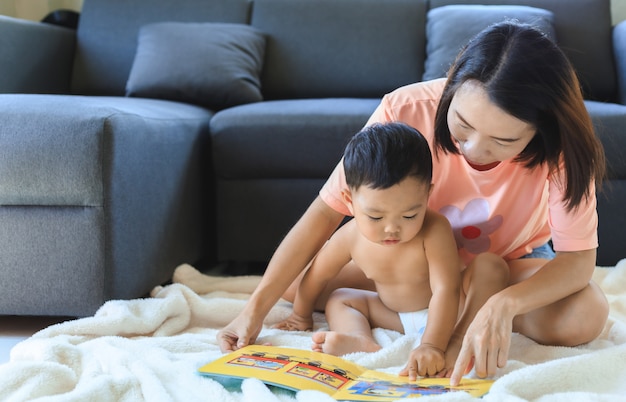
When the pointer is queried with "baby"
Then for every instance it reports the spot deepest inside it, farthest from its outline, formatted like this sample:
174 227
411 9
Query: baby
406 249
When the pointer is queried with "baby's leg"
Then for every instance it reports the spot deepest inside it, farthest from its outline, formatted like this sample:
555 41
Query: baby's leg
350 276
349 313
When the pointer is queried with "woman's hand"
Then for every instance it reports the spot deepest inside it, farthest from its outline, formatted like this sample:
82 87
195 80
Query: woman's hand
242 331
486 342
425 360
296 322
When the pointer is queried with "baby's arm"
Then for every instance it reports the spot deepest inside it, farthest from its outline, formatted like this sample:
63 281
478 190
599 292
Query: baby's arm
324 267
444 267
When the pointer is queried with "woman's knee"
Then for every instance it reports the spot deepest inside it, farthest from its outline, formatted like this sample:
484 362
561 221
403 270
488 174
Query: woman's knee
573 321
589 321
489 267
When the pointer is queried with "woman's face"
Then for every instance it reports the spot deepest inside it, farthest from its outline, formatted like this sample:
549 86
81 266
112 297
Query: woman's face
485 134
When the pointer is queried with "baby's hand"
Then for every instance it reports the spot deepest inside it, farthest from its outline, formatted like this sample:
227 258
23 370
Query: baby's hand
295 323
426 360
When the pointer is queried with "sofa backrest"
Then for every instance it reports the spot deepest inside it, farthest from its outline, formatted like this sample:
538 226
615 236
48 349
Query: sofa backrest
107 35
347 48
583 30
327 48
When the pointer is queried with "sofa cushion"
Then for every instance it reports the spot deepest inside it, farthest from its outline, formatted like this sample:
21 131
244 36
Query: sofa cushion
108 29
583 30
347 48
449 28
609 120
619 44
216 65
46 70
56 166
302 138
52 147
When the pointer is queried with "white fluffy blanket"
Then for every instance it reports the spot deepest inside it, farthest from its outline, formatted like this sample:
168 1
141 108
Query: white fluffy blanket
149 350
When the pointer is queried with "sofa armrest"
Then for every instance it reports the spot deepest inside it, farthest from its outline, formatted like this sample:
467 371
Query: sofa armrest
619 50
35 57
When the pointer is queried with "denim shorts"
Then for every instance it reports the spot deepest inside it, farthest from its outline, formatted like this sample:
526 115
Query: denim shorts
544 252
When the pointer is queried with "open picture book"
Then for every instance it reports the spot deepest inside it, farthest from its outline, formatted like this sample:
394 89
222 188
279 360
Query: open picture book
297 369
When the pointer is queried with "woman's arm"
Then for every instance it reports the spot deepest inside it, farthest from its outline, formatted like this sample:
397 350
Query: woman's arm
325 266
333 256
296 250
566 274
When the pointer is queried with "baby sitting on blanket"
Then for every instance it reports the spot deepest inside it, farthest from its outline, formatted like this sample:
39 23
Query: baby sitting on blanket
405 248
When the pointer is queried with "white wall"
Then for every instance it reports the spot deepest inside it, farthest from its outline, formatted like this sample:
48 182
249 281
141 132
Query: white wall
36 9
618 10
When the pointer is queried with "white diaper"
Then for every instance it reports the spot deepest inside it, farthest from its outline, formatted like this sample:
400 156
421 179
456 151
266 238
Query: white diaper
414 323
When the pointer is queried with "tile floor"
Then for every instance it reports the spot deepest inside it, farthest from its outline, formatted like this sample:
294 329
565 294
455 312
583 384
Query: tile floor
14 329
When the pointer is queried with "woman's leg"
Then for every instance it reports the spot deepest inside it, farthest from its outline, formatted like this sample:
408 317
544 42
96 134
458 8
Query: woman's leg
485 276
350 276
574 320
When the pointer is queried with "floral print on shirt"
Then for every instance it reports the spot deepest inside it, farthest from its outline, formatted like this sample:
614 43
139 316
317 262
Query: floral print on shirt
472 226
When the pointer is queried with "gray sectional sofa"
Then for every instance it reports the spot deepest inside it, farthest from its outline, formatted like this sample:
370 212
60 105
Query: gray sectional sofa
162 132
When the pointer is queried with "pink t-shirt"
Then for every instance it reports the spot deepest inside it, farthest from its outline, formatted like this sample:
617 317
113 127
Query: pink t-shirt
508 210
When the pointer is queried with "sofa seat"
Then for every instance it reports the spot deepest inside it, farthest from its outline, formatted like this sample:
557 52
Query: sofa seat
78 189
264 188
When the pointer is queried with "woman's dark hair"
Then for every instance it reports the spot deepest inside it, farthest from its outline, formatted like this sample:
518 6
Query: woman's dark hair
528 76
382 155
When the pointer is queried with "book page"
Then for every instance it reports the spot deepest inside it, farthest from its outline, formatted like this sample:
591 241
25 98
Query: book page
376 386
297 369
293 369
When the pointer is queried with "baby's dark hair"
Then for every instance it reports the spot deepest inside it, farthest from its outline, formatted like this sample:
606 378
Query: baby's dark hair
382 155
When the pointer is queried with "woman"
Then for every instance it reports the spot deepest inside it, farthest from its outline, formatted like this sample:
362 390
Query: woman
516 164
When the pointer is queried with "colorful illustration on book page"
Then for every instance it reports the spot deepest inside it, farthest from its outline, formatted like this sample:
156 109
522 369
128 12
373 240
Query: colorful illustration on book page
333 377
381 386
293 369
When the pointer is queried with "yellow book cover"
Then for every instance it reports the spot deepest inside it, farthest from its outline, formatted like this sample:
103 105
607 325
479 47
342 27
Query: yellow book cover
296 369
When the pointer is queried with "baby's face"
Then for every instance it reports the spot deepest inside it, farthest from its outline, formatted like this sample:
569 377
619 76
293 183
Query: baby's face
393 215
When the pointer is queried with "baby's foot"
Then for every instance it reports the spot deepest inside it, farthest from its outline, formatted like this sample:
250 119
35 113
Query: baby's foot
339 344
